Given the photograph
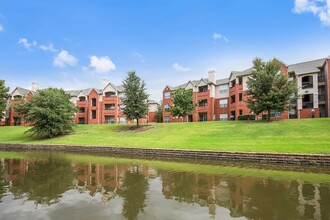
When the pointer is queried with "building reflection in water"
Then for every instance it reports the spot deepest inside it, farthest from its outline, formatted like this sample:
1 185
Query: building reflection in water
254 198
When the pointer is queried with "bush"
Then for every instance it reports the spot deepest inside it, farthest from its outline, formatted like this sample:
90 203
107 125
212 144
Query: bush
247 117
264 117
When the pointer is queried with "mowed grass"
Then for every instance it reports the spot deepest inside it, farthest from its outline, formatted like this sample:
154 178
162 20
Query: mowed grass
287 136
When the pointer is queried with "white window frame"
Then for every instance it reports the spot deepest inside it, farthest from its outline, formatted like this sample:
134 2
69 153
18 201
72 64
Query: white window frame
223 105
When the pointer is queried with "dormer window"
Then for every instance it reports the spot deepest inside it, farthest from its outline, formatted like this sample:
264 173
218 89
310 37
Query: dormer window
202 89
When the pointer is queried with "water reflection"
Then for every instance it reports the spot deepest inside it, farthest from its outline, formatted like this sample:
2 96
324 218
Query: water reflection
47 181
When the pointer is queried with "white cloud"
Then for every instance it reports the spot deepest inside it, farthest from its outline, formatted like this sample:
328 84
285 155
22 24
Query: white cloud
320 8
63 59
101 64
217 37
26 43
180 68
50 47
2 28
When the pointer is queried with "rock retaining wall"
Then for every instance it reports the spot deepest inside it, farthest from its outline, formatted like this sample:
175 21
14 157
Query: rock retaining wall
284 158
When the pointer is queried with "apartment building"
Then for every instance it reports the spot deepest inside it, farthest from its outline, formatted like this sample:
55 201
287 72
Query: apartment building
211 96
96 106
225 99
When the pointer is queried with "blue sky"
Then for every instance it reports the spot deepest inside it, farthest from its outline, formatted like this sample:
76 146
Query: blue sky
76 44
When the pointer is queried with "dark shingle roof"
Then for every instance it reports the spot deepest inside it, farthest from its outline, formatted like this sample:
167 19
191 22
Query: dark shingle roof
307 67
195 83
23 91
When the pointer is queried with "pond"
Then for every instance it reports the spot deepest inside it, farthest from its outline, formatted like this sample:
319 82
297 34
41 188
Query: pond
45 185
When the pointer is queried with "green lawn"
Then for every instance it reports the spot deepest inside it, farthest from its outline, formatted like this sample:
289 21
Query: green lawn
292 136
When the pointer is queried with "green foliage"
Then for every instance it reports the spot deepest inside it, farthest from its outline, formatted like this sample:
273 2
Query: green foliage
133 191
269 89
247 117
182 103
50 112
159 114
136 100
264 117
3 95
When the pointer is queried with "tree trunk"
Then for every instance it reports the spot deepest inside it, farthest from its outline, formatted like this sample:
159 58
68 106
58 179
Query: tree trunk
268 118
137 122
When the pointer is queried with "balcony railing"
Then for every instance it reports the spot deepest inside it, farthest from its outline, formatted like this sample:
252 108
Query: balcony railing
306 85
321 78
307 104
321 98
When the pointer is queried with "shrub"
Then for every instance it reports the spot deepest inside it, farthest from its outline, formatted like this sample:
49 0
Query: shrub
247 117
264 117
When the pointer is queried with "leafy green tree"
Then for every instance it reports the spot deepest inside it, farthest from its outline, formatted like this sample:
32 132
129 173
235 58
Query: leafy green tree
136 97
133 191
159 113
182 103
45 181
50 112
3 95
269 89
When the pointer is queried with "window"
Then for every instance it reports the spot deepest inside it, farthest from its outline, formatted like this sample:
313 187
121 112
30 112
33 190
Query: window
223 117
223 103
240 112
202 89
122 120
109 106
167 119
167 95
307 101
240 97
109 119
203 102
232 83
232 99
82 98
81 110
223 89
93 102
240 80
122 107
202 116
17 97
81 121
275 114
307 82
167 107
93 114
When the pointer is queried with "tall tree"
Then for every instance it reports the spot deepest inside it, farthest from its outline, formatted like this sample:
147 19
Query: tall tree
136 97
50 112
182 103
159 113
269 88
3 95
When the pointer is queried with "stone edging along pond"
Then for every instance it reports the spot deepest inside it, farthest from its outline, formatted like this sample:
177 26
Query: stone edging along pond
285 158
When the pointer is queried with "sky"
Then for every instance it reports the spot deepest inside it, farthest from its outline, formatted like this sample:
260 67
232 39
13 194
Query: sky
76 44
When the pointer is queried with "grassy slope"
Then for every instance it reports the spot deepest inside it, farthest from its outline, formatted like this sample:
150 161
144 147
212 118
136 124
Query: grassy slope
293 136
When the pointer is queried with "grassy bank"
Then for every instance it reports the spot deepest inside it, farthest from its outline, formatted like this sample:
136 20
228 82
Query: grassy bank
290 136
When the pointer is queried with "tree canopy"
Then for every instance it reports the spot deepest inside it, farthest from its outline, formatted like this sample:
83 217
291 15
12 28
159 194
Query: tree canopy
182 103
269 88
136 97
3 95
49 111
159 114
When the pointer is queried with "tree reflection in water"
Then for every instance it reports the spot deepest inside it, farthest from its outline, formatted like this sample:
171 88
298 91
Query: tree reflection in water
133 192
44 181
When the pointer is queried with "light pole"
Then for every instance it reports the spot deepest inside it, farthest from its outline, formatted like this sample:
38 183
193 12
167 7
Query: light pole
313 111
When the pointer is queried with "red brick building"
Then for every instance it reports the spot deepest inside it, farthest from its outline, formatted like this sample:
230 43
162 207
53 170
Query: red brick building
96 106
226 98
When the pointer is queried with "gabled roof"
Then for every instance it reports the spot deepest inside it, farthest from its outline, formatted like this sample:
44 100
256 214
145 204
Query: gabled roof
307 67
120 88
222 81
23 91
72 92
196 82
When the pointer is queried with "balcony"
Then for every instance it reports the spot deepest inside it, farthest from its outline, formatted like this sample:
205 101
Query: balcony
307 85
81 103
308 104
